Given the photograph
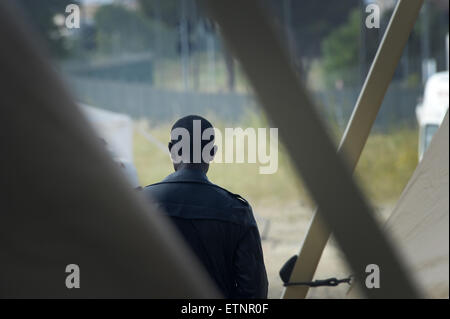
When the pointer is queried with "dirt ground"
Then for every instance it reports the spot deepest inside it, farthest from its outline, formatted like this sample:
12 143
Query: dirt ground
286 226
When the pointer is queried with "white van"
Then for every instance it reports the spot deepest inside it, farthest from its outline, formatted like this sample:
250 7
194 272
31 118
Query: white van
431 112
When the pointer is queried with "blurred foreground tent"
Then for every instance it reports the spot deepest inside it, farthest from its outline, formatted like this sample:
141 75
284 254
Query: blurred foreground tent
63 201
420 221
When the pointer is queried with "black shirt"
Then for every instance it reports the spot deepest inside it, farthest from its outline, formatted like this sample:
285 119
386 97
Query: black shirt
220 228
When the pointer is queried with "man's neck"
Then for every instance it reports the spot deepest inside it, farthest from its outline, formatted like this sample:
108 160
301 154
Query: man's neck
193 166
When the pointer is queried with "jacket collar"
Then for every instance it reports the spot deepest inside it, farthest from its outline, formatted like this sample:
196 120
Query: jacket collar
187 175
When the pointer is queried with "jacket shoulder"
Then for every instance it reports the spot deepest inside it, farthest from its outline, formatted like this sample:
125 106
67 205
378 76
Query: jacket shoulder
239 204
237 199
208 201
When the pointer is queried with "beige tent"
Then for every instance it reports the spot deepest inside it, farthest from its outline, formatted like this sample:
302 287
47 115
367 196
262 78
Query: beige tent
419 222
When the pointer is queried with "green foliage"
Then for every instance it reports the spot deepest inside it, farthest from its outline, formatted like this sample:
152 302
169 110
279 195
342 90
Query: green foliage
166 11
341 48
310 20
387 163
120 29
40 14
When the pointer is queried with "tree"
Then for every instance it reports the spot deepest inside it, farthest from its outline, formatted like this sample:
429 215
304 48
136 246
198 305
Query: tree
341 49
120 29
310 21
165 11
41 15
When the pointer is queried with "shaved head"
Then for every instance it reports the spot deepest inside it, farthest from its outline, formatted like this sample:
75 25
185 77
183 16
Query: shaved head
200 133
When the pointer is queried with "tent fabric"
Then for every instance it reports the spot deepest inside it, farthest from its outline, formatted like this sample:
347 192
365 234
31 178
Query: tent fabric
63 201
419 223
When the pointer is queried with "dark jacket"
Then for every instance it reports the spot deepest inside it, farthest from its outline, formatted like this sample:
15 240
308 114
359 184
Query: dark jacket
219 227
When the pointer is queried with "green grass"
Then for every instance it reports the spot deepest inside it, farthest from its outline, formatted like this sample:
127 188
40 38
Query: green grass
387 164
385 167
